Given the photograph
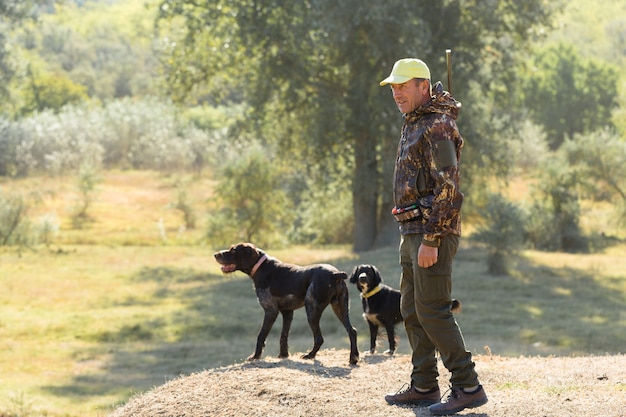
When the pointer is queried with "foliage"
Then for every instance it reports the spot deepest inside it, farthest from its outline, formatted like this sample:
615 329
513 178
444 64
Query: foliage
527 147
210 118
16 228
595 27
141 134
101 47
182 203
553 223
88 179
314 68
325 216
568 95
12 12
302 80
251 204
599 160
502 231
52 93
8 148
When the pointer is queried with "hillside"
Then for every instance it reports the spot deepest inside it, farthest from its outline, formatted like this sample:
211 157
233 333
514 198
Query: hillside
523 386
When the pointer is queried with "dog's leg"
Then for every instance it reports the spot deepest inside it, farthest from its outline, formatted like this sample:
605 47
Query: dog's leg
268 322
373 335
340 307
314 314
391 336
284 334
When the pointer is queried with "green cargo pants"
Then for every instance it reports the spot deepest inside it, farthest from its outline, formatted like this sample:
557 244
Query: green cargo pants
425 306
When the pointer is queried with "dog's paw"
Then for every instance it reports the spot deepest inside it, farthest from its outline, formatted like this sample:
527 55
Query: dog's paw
354 359
308 356
253 358
390 352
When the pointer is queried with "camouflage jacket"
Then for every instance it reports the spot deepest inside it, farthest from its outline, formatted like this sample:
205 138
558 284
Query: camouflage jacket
427 168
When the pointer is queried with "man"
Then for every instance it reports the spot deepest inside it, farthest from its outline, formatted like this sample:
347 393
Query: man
428 204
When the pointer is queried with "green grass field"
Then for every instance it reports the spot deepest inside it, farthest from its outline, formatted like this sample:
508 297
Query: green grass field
93 319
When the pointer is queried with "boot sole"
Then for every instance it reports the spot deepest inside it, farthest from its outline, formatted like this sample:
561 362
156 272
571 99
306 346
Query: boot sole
413 403
473 404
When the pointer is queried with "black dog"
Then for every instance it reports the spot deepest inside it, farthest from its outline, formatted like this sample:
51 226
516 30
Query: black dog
381 304
283 288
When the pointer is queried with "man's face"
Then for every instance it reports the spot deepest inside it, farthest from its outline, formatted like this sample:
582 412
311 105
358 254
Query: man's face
410 95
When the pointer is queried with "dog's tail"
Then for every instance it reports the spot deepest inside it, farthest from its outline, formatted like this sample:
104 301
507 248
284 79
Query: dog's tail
456 306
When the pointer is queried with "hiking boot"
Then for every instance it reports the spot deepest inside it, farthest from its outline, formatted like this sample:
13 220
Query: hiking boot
411 396
459 400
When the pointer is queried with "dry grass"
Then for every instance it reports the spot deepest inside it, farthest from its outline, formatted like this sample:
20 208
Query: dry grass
517 387
130 207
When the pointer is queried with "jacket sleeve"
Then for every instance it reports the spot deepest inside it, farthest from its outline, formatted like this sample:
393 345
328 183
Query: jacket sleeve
442 155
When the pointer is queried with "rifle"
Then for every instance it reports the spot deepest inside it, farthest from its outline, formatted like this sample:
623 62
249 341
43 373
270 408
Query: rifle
449 65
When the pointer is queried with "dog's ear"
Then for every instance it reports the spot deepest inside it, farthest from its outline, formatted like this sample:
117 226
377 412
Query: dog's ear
377 278
354 277
244 245
247 248
244 254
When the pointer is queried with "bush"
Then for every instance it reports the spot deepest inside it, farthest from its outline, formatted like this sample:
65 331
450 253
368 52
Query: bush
144 134
501 229
88 179
251 204
326 215
16 229
553 222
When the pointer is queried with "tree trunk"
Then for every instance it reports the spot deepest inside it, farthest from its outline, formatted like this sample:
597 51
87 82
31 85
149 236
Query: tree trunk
388 234
364 193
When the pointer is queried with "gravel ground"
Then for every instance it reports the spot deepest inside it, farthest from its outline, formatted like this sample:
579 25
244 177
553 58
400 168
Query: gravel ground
328 386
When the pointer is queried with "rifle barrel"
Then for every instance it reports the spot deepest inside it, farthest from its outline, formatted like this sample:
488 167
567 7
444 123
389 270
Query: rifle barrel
449 65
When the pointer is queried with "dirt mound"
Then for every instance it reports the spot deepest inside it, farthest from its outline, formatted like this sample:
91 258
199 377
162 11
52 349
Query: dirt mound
328 386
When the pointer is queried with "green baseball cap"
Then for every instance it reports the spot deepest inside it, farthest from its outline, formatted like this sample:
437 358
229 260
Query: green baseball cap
405 69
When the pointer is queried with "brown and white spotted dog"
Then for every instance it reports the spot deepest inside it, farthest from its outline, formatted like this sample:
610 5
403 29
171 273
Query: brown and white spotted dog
283 288
381 304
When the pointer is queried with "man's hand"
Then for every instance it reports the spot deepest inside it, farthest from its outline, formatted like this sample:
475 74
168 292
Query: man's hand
427 256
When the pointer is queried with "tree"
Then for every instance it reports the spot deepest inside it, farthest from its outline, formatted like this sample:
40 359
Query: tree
12 12
316 65
599 160
52 92
569 95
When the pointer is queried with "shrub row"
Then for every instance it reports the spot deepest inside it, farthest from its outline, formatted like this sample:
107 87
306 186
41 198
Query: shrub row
127 134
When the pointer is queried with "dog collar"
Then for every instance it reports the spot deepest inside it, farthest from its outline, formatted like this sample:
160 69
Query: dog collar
375 290
257 265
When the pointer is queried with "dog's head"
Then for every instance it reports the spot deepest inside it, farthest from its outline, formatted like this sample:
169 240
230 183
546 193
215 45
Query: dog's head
240 257
366 277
